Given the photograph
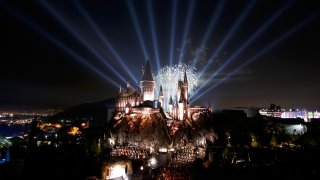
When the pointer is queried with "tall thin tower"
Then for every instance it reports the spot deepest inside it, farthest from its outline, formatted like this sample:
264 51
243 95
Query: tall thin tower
147 83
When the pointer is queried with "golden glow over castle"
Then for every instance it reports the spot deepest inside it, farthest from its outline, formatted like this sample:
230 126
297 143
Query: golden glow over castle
142 99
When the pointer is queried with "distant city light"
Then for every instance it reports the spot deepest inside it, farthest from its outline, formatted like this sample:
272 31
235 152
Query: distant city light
74 131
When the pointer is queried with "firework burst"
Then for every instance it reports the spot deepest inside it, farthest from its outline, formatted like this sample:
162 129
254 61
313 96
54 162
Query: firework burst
168 77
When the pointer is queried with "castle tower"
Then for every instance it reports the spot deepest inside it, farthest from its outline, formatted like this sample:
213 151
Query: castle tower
209 107
128 108
120 89
179 90
185 86
171 106
147 83
181 107
128 86
161 97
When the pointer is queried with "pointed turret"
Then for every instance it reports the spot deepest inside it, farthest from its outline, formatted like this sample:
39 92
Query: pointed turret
161 91
161 97
185 87
171 101
147 83
185 80
128 86
209 107
120 89
179 90
181 99
147 74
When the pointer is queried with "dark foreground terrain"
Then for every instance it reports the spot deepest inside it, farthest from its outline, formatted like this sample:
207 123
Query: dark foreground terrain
71 162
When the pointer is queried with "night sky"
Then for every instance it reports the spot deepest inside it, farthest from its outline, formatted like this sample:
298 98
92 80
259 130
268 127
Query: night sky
265 51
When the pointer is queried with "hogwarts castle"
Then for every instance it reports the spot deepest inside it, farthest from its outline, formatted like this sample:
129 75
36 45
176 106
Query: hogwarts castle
142 99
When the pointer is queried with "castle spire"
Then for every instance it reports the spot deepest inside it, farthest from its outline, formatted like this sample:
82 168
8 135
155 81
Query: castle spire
185 80
209 106
161 91
147 74
181 99
171 101
161 97
147 83
128 86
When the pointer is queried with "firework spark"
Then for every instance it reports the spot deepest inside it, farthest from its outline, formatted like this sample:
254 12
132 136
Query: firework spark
168 77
